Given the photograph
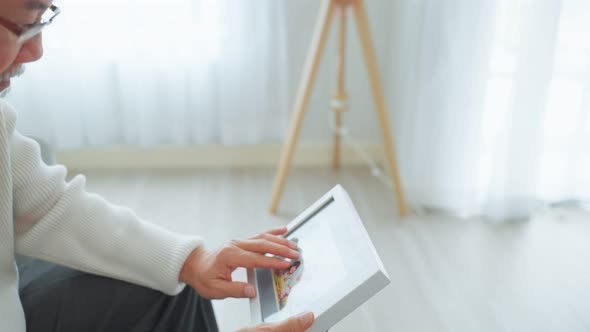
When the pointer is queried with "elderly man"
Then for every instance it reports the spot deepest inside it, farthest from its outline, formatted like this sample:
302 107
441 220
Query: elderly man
134 272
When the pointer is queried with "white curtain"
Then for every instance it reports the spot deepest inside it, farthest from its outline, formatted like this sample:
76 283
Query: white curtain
147 72
490 99
492 103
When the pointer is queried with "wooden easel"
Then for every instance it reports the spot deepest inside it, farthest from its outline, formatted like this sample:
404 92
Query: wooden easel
329 9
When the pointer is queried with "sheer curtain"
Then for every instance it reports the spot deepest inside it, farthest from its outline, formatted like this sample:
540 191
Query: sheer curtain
492 103
148 73
490 99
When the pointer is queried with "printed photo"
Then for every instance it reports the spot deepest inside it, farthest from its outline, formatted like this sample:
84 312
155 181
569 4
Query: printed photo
285 280
321 272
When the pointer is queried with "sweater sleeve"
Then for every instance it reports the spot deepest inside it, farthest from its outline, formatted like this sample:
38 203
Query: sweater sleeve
60 222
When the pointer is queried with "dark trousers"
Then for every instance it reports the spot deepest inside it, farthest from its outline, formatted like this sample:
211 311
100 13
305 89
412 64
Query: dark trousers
57 298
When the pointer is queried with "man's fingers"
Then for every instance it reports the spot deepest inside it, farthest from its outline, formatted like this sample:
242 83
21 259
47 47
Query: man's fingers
262 246
277 231
249 259
275 235
232 255
262 261
277 239
234 289
300 323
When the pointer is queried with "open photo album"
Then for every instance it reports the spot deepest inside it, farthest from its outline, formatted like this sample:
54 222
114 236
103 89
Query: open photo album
337 271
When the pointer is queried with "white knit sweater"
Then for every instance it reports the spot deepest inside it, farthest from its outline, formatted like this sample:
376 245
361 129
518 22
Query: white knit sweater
43 216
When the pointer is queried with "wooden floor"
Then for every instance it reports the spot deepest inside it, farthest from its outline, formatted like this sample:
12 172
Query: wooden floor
447 274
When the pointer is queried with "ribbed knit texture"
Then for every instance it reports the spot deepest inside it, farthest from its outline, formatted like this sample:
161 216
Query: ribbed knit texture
43 216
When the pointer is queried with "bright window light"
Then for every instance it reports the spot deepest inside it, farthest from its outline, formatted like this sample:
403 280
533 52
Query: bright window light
147 31
566 97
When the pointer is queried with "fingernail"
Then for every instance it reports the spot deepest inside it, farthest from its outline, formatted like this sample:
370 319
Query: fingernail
295 253
293 244
306 318
250 291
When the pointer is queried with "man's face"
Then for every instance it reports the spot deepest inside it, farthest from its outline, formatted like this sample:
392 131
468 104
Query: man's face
12 53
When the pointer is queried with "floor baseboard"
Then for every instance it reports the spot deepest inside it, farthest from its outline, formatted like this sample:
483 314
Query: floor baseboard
262 155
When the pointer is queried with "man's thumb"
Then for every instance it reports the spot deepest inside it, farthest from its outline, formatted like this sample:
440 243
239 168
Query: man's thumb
299 323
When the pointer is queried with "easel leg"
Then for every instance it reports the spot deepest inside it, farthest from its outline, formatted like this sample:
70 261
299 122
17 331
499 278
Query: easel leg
375 80
341 96
302 100
337 141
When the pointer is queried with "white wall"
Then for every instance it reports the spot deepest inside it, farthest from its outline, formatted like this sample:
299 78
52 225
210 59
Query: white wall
362 118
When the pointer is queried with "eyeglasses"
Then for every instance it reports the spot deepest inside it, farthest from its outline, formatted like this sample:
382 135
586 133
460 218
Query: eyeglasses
25 32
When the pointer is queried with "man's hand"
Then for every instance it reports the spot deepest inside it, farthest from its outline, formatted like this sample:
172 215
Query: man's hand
299 323
210 272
